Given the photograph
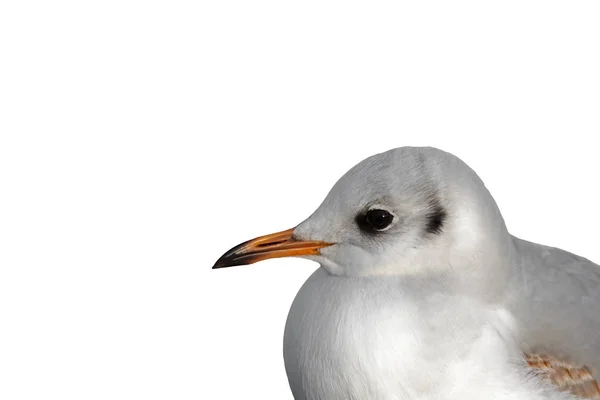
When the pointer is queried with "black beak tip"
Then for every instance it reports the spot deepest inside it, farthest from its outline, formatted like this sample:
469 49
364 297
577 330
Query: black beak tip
229 259
220 264
226 262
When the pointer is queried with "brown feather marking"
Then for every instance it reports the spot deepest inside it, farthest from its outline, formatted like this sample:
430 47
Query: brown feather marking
576 379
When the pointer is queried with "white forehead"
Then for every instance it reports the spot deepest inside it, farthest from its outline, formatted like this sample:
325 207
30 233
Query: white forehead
392 176
405 178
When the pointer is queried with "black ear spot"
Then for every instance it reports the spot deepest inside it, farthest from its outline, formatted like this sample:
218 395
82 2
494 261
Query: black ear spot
435 218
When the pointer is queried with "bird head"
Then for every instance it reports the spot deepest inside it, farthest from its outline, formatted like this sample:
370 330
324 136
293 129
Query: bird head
405 211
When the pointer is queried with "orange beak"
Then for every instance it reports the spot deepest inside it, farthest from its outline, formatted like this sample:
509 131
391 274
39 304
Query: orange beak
275 245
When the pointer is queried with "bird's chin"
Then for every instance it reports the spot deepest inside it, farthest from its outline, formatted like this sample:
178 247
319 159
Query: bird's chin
347 260
331 267
344 259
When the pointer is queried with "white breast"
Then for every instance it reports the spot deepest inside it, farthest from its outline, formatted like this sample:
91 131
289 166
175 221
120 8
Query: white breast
368 338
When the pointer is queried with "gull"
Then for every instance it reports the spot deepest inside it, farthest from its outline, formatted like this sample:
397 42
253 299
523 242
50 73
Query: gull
417 270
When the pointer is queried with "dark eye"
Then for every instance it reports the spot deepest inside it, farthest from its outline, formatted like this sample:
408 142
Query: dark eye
378 219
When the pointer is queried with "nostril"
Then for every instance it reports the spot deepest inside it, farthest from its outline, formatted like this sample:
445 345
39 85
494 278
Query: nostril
271 243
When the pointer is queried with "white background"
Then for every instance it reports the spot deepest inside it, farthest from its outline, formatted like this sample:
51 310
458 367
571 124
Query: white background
142 139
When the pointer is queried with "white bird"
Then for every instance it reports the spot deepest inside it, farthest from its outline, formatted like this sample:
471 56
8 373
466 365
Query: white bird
397 233
385 338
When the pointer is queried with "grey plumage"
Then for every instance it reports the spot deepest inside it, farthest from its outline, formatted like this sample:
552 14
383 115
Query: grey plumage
396 232
555 295
558 301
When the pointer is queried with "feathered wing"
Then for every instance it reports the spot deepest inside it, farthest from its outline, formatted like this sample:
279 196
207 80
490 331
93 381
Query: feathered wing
558 308
569 377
